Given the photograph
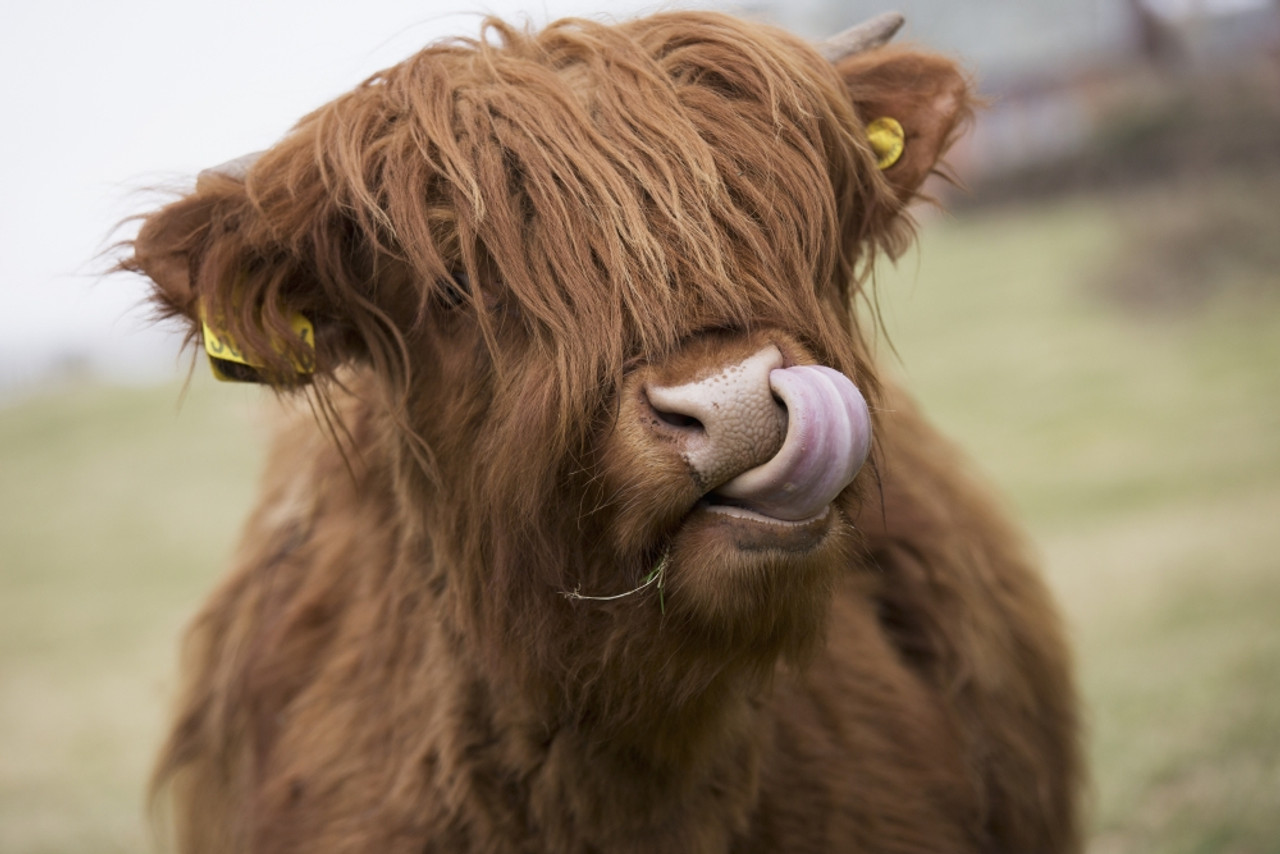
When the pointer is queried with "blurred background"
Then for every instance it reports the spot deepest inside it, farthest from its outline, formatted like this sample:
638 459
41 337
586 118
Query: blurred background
1095 316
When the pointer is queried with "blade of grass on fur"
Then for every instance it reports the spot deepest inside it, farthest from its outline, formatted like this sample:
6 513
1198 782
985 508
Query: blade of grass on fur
657 574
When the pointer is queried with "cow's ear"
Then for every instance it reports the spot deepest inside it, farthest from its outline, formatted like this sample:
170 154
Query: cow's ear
914 105
240 283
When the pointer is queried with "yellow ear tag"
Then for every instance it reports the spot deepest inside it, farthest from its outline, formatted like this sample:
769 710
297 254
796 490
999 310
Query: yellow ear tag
230 364
887 141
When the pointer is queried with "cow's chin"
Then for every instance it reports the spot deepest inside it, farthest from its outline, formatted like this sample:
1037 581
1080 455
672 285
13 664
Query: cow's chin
752 584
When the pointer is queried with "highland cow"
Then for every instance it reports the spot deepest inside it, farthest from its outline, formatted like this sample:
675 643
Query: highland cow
603 532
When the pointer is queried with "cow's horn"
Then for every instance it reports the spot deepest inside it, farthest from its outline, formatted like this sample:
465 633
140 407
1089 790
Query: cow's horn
864 36
236 169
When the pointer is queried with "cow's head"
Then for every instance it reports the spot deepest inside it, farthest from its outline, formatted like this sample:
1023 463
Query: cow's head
604 278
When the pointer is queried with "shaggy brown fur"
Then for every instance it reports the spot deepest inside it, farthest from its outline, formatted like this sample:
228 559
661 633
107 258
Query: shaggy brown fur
393 665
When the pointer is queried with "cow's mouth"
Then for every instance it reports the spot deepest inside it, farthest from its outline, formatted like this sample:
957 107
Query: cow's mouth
750 530
783 504
765 445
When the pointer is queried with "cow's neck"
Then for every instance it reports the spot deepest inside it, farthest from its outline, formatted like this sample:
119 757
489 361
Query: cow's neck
593 778
652 750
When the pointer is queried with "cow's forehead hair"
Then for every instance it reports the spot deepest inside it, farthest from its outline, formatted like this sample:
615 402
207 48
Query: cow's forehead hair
629 180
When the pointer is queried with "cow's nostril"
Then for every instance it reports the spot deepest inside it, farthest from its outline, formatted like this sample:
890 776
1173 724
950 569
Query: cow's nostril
679 420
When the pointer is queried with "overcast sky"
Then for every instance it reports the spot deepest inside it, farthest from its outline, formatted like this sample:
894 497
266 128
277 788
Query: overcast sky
101 100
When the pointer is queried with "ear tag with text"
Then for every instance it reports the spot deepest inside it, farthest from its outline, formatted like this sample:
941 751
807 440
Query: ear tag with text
887 140
230 364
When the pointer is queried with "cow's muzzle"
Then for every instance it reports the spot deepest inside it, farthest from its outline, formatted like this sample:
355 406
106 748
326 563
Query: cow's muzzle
766 440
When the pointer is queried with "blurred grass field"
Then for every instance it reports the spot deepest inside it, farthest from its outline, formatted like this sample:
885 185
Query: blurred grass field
1142 449
1141 446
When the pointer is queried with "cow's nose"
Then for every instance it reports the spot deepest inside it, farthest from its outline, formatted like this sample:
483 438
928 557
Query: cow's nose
726 423
782 442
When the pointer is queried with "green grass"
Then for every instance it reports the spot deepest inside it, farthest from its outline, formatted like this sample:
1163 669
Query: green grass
1141 450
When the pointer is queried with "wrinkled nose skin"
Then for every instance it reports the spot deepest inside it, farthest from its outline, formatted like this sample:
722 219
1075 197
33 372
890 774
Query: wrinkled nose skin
728 422
780 442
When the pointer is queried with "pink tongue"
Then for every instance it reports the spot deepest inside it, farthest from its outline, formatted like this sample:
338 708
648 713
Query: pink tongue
828 437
